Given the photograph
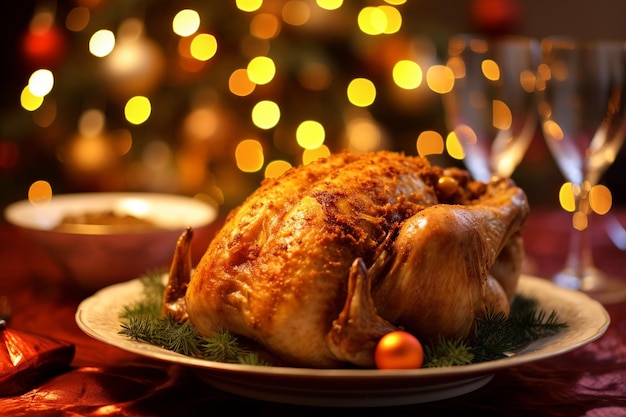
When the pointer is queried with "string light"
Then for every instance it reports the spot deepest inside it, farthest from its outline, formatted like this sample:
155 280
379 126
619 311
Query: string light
261 70
276 168
429 142
249 155
102 43
203 47
40 193
329 4
361 92
265 114
310 134
186 22
137 110
41 82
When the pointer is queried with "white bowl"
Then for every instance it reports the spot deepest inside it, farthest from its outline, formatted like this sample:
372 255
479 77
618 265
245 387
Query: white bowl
95 256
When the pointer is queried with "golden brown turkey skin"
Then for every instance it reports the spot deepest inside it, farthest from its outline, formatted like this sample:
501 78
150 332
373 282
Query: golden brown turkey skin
277 272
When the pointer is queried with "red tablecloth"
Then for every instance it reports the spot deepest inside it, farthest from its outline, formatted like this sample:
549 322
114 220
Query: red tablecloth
105 381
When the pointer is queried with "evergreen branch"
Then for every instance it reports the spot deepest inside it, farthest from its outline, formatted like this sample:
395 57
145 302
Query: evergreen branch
447 352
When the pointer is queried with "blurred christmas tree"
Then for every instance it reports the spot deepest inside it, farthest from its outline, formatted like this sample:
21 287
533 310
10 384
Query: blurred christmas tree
207 97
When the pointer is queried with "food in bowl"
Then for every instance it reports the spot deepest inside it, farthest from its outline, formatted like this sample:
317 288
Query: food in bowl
320 263
122 222
98 253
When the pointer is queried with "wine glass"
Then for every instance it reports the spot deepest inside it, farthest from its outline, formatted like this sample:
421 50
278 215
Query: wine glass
492 106
581 93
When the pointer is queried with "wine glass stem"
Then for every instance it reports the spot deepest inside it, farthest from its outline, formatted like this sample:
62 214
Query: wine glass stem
579 258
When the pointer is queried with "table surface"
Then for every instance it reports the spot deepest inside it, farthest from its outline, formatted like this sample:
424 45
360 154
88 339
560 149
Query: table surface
104 380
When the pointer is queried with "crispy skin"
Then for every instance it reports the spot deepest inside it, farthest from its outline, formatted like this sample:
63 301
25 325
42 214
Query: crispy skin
277 271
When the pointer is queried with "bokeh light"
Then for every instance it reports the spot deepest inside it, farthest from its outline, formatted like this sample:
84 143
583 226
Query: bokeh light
363 134
40 193
429 142
454 147
91 122
276 168
264 26
329 4
490 69
41 82
249 5
186 22
296 12
600 199
567 196
407 74
261 70
249 155
361 92
372 20
203 47
265 114
310 134
440 79
102 43
29 101
239 83
137 110
312 155
77 19
501 115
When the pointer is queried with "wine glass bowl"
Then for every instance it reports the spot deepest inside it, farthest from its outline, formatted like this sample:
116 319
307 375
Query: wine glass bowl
492 107
580 90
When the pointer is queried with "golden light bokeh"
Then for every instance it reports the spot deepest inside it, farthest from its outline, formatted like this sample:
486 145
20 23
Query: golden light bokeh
249 5
429 142
40 193
276 168
361 92
249 155
203 47
454 147
407 74
440 79
312 155
137 109
261 70
567 197
310 134
41 82
329 4
264 26
29 101
265 114
239 83
296 12
600 199
502 117
102 43
186 22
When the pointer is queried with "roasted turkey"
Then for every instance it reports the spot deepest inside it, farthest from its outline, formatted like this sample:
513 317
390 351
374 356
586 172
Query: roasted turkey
318 264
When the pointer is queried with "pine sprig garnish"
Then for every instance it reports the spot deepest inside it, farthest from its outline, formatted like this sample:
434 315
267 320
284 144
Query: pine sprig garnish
144 321
221 346
447 352
496 336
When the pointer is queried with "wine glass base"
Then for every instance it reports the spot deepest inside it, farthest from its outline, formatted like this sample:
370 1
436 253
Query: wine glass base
594 283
